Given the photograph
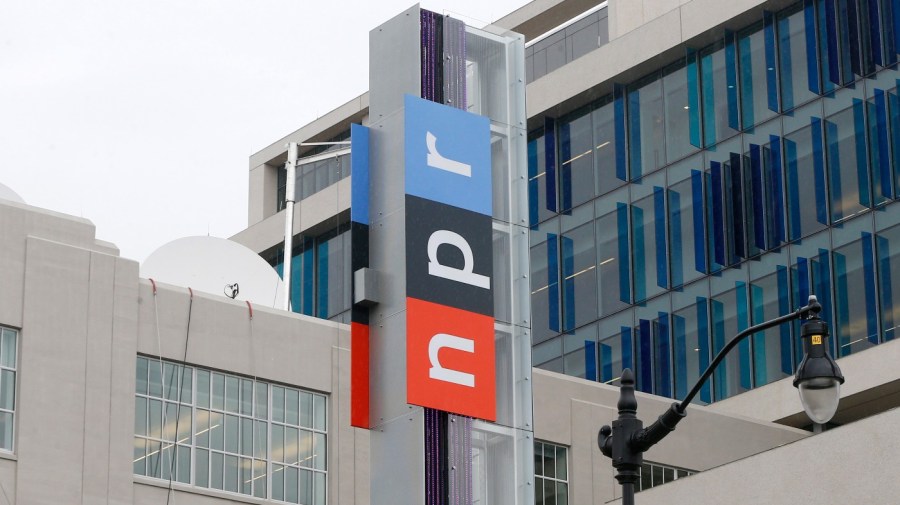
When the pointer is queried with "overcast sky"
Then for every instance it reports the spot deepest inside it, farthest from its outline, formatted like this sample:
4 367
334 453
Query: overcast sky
141 115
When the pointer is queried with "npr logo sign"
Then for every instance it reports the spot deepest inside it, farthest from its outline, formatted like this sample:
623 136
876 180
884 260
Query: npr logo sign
449 260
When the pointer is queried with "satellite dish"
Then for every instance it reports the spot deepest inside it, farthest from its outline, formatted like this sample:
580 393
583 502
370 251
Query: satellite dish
6 193
217 266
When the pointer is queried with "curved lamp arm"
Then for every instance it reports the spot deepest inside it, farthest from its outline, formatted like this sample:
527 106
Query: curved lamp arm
813 307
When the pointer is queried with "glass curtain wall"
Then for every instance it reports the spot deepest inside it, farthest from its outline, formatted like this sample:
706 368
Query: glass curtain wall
725 188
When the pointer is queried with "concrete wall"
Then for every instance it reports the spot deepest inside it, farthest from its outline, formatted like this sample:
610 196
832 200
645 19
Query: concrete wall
83 315
570 411
849 465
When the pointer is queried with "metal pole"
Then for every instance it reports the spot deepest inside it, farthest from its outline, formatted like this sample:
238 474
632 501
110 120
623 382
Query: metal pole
628 493
289 190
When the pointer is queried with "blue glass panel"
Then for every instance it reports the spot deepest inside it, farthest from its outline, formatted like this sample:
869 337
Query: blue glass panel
646 127
873 26
758 76
790 154
743 322
644 372
697 219
718 214
550 163
717 310
681 352
606 363
609 151
812 59
887 35
634 133
760 375
703 342
827 30
576 144
746 60
846 155
843 304
709 102
771 62
676 242
834 164
734 226
731 79
627 346
622 239
590 360
895 15
862 169
322 287
693 89
663 368
533 184
784 306
894 117
620 122
640 260
568 260
851 39
553 280
757 201
821 282
868 257
819 170
775 195
878 136
659 211
686 226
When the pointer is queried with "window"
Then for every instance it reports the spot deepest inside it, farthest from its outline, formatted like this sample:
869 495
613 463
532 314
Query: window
8 338
653 474
221 431
551 476
320 273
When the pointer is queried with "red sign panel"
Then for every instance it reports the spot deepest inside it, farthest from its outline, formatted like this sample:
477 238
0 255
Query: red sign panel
450 359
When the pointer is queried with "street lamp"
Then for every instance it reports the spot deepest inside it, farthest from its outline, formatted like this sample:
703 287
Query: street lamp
818 380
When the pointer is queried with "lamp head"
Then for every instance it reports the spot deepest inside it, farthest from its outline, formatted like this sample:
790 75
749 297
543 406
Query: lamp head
818 377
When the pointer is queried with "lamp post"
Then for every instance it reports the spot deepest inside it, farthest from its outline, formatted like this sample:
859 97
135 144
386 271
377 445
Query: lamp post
818 380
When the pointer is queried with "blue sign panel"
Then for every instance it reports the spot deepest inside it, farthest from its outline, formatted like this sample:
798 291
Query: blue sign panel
448 155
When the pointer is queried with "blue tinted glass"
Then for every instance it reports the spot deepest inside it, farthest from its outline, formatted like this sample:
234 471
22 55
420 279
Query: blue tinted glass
691 340
770 298
579 268
798 60
717 95
845 147
646 127
729 315
609 160
686 221
887 246
615 350
804 164
678 113
648 228
856 321
614 252
545 272
576 157
757 76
